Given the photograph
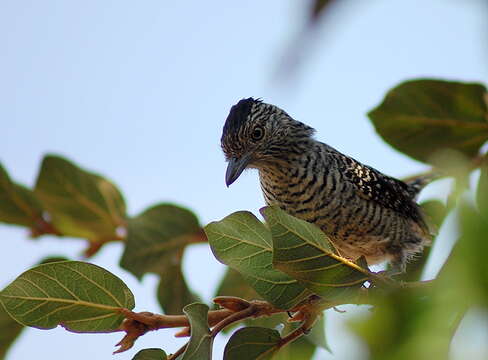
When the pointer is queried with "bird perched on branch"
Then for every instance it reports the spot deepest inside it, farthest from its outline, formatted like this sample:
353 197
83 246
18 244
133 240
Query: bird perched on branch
362 211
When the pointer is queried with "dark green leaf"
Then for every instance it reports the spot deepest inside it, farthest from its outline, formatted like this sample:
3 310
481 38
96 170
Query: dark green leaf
252 343
299 349
80 203
79 296
302 250
9 331
304 347
200 345
233 284
18 204
51 259
242 242
156 237
421 117
173 291
150 354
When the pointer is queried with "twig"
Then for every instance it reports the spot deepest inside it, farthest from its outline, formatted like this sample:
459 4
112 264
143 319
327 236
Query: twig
237 309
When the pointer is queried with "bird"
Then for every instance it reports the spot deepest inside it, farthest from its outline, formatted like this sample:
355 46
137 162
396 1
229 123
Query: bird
363 212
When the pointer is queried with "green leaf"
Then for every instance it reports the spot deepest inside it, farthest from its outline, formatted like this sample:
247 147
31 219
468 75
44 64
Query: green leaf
173 291
255 343
81 297
302 250
244 243
156 237
421 117
407 326
300 349
233 284
150 354
200 345
435 212
18 204
80 203
317 334
470 268
9 331
482 191
305 346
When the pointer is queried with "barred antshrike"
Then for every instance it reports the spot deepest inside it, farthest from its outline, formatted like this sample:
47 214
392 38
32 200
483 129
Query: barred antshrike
362 211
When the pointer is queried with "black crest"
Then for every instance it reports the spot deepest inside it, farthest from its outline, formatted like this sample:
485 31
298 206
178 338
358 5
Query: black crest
238 114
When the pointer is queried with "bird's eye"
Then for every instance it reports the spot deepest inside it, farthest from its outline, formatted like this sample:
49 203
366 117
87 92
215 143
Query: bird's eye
257 133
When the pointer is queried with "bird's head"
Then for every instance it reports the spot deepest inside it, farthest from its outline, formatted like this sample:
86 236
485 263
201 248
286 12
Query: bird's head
256 134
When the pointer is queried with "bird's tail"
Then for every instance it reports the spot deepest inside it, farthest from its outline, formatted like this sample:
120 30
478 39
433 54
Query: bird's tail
417 183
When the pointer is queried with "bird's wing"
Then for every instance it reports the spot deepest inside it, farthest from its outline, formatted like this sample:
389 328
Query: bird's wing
391 193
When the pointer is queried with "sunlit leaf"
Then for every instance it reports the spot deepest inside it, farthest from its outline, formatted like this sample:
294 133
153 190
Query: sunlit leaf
80 203
252 343
303 251
81 297
150 354
244 243
173 291
421 117
156 236
200 345
18 204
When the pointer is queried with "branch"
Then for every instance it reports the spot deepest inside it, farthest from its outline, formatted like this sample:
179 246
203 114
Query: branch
236 309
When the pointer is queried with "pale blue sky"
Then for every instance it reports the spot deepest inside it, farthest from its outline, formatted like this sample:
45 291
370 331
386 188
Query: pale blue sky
139 91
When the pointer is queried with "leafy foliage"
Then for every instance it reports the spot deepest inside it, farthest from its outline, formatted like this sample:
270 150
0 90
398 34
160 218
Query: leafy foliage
285 263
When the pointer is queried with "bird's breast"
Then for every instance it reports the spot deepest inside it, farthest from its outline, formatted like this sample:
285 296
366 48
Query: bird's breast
323 198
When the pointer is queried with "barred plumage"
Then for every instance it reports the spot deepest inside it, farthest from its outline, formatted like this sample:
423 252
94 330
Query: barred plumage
364 212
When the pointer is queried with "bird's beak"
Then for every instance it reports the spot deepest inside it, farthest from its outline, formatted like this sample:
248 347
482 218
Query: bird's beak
235 168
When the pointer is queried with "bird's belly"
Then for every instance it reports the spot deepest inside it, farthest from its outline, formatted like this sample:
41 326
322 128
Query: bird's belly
355 227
